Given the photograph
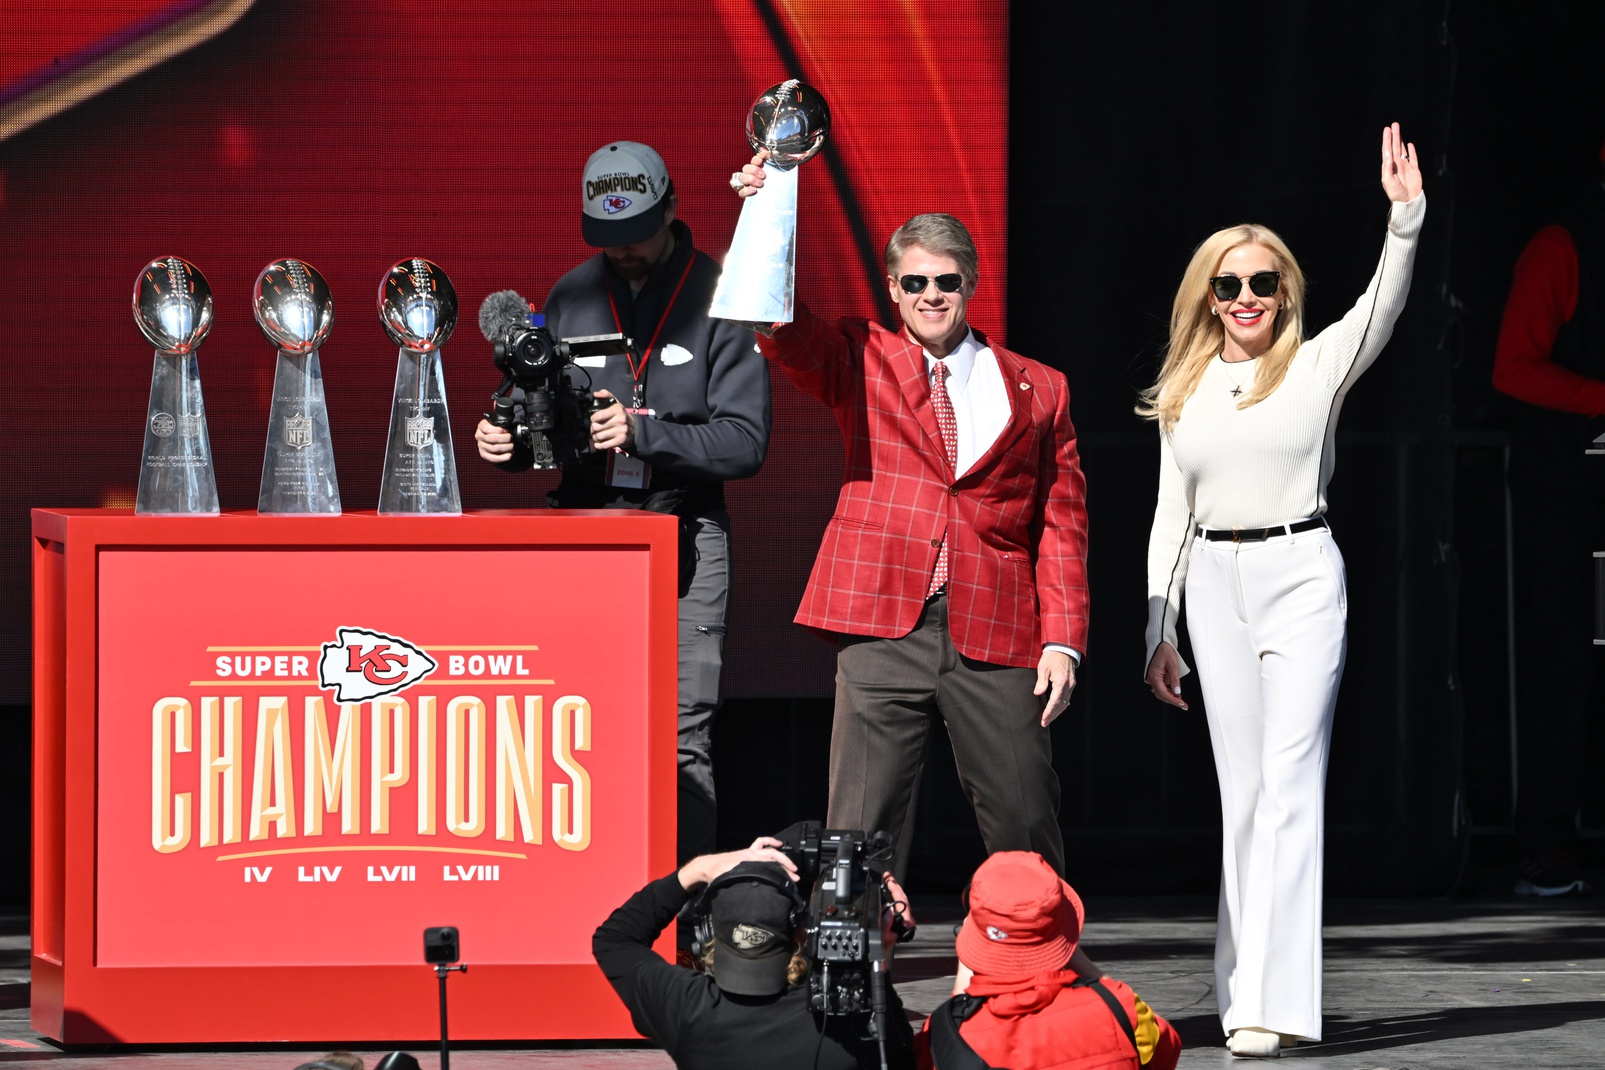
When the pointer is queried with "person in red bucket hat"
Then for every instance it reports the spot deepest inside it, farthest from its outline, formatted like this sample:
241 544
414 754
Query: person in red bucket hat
1025 1007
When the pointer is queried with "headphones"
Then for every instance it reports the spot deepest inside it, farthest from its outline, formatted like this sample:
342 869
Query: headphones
702 912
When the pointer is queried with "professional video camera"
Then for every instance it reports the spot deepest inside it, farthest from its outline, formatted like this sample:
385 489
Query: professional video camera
556 424
847 869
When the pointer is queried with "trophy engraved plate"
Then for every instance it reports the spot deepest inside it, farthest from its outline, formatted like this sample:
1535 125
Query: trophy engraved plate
173 307
759 282
295 311
418 309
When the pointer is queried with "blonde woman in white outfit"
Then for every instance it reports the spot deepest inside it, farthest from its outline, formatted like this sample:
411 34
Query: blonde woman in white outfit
1247 409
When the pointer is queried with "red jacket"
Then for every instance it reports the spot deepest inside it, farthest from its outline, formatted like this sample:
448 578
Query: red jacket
1543 297
1076 1030
1016 523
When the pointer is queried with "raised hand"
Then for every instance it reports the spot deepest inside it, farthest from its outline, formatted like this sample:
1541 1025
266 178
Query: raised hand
1401 167
749 179
702 869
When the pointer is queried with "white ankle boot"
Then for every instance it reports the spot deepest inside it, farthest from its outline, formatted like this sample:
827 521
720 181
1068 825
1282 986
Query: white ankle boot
1252 1042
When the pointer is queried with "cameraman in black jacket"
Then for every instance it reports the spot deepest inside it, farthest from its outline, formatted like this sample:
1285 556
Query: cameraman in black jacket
690 413
752 1008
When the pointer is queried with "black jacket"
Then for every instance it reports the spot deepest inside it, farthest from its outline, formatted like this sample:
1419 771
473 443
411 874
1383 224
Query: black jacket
705 1028
705 382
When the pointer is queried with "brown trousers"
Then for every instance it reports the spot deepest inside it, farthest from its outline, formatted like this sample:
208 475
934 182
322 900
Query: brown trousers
890 694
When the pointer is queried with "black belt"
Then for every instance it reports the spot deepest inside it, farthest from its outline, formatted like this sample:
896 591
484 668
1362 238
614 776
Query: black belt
1261 534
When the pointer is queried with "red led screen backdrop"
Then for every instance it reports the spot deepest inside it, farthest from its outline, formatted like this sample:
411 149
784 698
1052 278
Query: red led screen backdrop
353 133
60 55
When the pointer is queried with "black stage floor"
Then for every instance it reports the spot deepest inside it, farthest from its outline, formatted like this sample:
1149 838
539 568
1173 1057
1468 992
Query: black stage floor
1424 984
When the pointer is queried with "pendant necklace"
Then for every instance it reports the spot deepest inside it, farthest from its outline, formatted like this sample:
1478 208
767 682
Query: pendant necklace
1237 384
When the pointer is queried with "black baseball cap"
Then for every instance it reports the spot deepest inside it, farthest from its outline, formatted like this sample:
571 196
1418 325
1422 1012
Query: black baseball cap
752 931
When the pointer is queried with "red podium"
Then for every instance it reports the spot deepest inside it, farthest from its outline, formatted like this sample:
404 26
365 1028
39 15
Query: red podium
270 751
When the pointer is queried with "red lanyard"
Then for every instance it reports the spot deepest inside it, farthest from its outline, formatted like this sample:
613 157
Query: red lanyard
637 370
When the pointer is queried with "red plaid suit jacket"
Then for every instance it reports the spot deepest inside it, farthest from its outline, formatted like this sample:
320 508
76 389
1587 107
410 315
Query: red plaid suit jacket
1016 522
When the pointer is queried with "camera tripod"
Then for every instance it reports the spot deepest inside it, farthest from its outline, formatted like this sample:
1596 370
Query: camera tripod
441 970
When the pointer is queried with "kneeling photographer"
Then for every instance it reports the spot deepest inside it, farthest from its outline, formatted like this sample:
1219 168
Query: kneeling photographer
685 406
1027 997
761 1001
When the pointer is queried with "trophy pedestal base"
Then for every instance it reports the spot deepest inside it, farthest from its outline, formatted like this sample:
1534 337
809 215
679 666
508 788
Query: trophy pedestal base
175 474
420 476
298 477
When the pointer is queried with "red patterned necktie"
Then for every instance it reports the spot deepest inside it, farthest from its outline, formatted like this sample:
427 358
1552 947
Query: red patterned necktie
943 407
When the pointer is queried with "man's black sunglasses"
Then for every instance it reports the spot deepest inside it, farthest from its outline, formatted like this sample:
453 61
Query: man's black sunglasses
1261 284
915 284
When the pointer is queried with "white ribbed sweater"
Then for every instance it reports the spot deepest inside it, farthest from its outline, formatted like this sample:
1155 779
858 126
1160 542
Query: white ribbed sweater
1225 467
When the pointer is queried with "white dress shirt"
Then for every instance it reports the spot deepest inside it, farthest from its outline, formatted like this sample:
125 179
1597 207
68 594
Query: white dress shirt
980 409
980 400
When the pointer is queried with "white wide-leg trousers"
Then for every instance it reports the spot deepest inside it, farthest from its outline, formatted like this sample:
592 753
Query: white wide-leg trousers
1266 621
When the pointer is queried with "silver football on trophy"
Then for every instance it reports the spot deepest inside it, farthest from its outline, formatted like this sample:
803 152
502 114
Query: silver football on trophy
293 306
417 305
172 305
791 121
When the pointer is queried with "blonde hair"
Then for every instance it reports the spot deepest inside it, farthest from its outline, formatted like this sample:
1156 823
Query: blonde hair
1197 337
796 969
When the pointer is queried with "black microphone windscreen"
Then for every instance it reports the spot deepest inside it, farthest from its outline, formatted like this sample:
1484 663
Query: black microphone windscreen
501 311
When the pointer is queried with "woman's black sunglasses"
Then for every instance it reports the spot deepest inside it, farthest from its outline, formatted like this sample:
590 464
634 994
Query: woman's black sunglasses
1261 284
915 284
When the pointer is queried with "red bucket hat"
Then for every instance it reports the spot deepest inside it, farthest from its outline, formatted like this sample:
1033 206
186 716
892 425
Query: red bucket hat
1023 918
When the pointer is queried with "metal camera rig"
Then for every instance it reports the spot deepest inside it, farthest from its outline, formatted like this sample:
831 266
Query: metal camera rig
556 421
846 960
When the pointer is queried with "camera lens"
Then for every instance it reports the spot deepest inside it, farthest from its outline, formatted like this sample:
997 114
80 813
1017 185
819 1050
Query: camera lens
531 348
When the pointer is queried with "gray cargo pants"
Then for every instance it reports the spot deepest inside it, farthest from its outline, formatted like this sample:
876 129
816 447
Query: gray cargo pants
703 611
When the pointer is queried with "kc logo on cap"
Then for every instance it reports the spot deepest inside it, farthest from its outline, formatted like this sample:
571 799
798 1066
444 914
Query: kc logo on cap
625 189
747 937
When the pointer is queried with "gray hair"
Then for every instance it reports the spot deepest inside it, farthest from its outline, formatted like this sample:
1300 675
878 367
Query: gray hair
937 233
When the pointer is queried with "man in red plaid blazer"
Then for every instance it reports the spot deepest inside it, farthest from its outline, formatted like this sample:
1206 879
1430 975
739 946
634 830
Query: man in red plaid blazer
953 572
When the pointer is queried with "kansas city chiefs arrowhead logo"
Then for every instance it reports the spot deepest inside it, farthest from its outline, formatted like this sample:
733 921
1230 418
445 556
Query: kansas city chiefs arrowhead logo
364 664
746 937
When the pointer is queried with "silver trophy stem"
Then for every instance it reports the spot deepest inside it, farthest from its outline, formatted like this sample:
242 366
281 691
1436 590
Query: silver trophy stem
420 469
176 474
760 270
298 475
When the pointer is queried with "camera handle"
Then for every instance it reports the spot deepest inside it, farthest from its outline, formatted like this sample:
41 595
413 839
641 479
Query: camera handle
441 970
876 865
501 405
877 1000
